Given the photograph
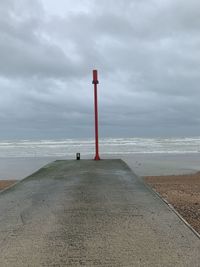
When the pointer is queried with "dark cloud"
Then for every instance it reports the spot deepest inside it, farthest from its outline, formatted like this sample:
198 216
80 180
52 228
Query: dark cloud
147 53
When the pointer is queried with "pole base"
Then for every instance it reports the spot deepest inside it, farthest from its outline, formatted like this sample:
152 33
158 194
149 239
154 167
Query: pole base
97 157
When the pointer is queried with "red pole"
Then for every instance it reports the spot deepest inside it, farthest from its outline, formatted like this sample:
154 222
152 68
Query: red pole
95 82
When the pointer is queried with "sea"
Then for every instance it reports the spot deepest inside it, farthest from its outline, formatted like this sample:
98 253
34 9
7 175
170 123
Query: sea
146 156
108 146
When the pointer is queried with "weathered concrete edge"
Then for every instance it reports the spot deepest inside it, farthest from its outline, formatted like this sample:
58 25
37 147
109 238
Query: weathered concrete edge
172 208
154 192
169 206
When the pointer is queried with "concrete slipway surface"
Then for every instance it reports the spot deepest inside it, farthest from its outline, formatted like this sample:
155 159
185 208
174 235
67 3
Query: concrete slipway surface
74 213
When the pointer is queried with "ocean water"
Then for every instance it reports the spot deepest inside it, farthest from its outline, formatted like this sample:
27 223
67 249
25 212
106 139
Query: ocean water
108 146
146 156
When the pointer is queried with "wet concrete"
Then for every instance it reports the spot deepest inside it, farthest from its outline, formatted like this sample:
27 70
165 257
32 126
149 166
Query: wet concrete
74 213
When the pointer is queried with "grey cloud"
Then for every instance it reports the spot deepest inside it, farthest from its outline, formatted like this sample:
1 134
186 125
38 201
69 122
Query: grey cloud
24 49
147 53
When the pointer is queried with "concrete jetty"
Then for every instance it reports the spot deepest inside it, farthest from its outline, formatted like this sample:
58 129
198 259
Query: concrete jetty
91 213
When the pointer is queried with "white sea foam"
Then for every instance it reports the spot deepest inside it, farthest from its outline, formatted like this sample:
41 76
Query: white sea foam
68 147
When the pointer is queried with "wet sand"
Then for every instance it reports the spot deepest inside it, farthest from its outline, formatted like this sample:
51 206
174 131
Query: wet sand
163 164
19 168
141 164
183 192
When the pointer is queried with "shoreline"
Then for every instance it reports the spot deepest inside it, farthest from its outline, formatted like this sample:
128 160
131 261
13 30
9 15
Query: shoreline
141 164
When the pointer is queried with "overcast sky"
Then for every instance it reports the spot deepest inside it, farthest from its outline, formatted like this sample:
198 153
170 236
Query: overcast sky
147 53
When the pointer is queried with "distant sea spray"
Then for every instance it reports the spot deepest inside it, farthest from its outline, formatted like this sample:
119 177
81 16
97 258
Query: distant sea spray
68 147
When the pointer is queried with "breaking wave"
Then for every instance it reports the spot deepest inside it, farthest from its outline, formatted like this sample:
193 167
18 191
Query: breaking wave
68 147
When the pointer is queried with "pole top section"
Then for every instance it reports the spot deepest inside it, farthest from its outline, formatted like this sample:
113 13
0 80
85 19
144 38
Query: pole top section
95 77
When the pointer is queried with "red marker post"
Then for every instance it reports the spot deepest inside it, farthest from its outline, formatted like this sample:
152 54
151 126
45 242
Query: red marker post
95 82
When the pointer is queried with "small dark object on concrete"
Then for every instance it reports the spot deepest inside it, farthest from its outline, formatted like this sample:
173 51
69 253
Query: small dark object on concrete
78 156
